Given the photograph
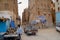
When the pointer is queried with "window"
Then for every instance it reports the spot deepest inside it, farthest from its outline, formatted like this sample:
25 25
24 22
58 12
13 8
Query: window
58 8
38 12
1 0
38 8
56 0
6 6
14 1
45 14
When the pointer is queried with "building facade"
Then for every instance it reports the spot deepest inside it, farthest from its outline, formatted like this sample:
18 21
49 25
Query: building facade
25 16
40 7
57 11
53 13
57 5
11 6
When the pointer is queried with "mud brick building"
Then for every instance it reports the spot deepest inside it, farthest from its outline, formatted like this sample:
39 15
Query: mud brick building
41 7
11 7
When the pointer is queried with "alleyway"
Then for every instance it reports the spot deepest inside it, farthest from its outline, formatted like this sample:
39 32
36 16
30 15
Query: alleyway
44 34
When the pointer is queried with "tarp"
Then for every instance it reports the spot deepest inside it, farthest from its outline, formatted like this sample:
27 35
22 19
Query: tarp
3 27
42 19
12 24
57 17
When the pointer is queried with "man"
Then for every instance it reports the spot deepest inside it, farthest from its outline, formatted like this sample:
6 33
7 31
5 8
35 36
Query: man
19 32
42 20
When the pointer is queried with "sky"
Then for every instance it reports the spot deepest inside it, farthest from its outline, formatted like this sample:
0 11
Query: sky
22 6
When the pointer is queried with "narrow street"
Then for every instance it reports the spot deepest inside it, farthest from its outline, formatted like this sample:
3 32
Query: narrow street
29 16
44 34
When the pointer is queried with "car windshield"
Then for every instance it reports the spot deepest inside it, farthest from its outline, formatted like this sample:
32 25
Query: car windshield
29 27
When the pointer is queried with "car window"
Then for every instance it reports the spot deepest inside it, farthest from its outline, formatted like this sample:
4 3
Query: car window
58 24
28 27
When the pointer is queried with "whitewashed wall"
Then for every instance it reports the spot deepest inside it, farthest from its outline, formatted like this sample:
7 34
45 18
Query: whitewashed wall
5 14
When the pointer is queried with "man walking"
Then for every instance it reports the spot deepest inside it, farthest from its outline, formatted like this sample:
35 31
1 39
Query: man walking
19 32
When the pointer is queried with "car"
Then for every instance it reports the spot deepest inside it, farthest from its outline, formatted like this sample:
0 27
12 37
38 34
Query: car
30 30
58 27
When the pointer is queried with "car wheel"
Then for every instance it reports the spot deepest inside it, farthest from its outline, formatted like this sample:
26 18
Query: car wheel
57 30
25 32
34 33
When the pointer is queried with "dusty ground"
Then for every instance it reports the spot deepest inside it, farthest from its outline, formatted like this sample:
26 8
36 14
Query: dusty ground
44 34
